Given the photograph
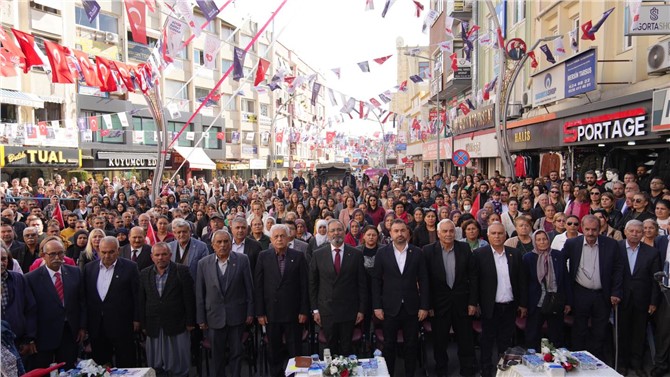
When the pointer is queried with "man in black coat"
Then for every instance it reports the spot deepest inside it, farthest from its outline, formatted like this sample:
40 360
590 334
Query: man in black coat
400 295
640 297
596 272
281 297
499 286
451 269
111 287
61 320
337 289
244 244
167 312
137 250
662 333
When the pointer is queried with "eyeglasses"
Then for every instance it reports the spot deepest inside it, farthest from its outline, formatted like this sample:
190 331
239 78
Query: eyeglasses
595 193
58 254
638 200
559 220
572 224
554 192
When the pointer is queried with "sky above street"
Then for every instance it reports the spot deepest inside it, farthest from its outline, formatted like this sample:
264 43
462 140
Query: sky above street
339 34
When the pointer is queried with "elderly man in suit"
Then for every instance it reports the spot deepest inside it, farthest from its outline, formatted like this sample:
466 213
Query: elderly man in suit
500 291
61 319
111 286
451 269
662 335
185 249
281 297
244 244
224 301
596 272
337 289
137 250
640 297
167 312
400 295
297 244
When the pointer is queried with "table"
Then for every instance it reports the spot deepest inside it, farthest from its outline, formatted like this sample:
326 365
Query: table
523 371
382 370
133 372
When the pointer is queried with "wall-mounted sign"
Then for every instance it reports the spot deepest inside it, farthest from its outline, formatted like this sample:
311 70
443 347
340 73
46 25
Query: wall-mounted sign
622 124
574 76
654 20
122 161
660 111
26 157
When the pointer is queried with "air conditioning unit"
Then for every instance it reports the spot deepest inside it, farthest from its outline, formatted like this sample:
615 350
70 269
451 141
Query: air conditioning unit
658 57
514 110
527 99
111 38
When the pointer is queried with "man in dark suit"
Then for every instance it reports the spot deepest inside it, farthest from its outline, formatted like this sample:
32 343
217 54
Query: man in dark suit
281 297
451 269
167 312
244 244
224 301
61 319
8 236
18 306
185 249
400 297
337 290
640 297
662 334
297 244
112 305
137 250
596 273
499 287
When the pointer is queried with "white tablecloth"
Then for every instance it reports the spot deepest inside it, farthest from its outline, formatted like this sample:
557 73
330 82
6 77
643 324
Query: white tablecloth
523 371
133 372
382 370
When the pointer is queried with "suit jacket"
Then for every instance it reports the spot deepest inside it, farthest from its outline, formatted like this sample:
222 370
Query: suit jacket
196 251
639 287
281 297
143 258
121 305
339 296
661 243
301 246
485 283
21 310
611 266
442 298
392 289
219 306
251 249
534 290
174 309
51 312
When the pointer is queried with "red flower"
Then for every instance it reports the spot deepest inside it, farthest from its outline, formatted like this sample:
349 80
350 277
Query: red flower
548 357
345 373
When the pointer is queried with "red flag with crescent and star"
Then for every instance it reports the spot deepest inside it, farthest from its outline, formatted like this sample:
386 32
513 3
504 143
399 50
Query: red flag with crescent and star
60 71
136 11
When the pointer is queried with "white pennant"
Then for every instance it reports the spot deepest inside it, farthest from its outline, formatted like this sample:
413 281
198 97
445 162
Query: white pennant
574 39
634 13
449 26
190 136
55 124
558 46
431 16
212 47
447 46
331 95
138 137
175 31
123 118
185 9
107 119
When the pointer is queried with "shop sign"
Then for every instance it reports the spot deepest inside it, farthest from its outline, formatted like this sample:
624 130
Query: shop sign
475 120
475 147
258 164
660 111
622 124
653 20
576 75
31 157
522 136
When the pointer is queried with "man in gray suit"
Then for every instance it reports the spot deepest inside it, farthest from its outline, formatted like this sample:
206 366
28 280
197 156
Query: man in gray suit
185 249
224 301
297 244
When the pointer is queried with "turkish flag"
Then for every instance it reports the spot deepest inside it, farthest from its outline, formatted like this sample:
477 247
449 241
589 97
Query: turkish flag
7 67
124 72
382 60
87 69
533 59
8 43
43 128
454 61
27 43
136 11
105 133
586 31
221 135
152 5
107 82
330 136
279 137
93 123
464 108
58 55
151 235
58 216
260 72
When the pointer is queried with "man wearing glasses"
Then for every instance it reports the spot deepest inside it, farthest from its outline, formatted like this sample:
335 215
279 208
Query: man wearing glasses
571 231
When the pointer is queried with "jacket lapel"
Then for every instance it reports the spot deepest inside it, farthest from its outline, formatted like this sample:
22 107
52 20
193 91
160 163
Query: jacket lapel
50 285
169 283
231 271
510 262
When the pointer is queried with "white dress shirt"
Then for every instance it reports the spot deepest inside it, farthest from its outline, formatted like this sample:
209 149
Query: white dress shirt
332 252
52 274
504 293
105 279
238 248
400 257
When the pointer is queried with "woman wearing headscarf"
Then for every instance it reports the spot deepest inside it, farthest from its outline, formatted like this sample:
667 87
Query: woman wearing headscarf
548 282
354 235
384 228
79 241
269 222
302 231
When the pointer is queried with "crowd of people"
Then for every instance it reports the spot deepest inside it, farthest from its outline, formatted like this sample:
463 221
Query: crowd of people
90 267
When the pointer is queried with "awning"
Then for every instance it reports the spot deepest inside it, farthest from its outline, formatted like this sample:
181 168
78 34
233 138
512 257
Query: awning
13 97
196 157
53 99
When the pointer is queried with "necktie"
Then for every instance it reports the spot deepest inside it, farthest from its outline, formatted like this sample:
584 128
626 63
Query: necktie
134 256
338 261
282 263
59 287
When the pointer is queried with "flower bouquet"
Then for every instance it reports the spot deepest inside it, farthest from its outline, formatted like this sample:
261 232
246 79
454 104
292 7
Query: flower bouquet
88 368
558 355
341 367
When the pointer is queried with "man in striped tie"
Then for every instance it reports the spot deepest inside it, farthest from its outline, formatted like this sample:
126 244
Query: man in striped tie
60 307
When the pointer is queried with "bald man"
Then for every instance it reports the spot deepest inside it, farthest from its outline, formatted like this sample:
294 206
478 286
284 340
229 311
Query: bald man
137 249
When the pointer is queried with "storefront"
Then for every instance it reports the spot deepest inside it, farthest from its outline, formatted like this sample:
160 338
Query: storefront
430 156
33 162
535 148
482 147
110 164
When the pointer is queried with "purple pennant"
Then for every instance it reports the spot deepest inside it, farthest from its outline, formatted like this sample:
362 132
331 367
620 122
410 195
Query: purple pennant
81 124
208 8
238 63
547 52
416 79
315 92
92 8
470 104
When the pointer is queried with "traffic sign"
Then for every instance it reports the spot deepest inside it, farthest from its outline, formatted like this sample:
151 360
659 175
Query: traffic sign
461 157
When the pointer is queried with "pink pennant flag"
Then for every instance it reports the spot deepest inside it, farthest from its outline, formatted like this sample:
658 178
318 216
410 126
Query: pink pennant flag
447 47
369 5
558 46
448 26
381 60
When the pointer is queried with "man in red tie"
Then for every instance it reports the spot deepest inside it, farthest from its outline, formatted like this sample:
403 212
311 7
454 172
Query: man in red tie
60 307
337 289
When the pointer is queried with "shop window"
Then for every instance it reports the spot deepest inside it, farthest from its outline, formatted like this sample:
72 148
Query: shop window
262 49
103 22
211 27
227 31
8 113
228 104
43 6
226 64
249 106
116 134
424 69
176 89
245 40
520 11
210 140
51 111
174 128
148 126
